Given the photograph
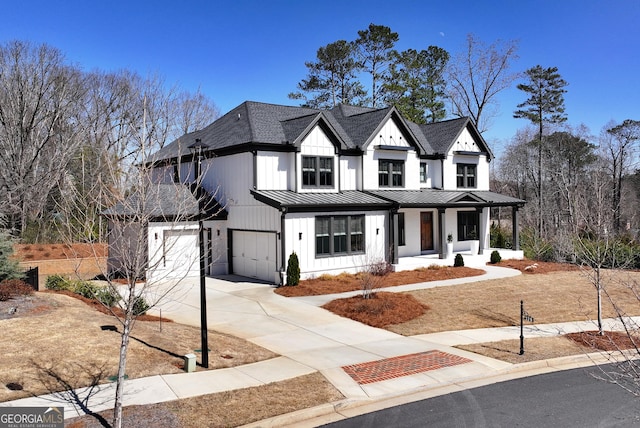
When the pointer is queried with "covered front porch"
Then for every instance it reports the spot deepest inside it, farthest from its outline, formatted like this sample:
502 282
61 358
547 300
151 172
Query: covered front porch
470 260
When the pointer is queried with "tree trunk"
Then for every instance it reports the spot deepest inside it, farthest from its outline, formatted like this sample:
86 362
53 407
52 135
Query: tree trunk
122 365
599 288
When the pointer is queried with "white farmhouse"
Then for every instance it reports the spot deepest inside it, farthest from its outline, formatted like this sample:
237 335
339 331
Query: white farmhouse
342 188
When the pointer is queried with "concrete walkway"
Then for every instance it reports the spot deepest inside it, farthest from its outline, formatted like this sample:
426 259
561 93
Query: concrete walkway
370 366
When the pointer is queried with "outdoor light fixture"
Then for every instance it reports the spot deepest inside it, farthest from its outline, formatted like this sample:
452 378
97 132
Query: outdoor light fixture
196 150
300 236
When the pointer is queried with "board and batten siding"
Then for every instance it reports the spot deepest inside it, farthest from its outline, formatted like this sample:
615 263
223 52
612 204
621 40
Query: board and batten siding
274 171
310 265
390 135
350 177
466 143
316 143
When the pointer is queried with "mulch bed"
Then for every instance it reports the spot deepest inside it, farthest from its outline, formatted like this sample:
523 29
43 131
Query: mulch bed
380 310
328 284
535 267
101 308
609 341
59 251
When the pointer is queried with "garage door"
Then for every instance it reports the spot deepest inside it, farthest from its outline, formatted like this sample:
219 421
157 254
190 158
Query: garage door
181 253
254 254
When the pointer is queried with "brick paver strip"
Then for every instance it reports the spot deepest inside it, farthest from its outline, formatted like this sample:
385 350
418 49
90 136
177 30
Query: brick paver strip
404 365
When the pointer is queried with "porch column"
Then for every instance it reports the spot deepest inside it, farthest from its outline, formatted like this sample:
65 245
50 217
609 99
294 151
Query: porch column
514 224
442 239
482 232
393 214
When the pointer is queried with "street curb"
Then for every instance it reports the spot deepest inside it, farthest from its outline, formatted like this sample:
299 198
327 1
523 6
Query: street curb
349 407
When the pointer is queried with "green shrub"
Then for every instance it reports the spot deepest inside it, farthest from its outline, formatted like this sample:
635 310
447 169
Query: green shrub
498 236
140 306
293 270
458 261
9 267
58 282
495 257
107 296
85 289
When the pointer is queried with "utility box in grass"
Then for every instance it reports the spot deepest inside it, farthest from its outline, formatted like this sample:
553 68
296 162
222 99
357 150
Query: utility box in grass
190 363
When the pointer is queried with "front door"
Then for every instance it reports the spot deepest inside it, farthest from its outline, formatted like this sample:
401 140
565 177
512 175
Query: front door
426 231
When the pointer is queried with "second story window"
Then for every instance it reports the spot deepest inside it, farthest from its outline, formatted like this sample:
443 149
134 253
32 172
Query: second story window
390 173
317 171
423 172
466 175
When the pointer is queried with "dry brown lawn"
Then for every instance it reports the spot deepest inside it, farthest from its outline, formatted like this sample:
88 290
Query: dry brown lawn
226 409
550 297
56 342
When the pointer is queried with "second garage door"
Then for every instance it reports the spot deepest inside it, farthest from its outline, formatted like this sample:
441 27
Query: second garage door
254 254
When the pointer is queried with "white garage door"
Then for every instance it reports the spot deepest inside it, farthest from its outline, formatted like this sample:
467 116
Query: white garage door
254 254
181 253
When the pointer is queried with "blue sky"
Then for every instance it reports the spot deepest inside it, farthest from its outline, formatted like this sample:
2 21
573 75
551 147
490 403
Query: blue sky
255 50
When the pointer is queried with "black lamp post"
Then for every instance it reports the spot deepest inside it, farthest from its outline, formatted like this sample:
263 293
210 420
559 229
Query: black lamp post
196 150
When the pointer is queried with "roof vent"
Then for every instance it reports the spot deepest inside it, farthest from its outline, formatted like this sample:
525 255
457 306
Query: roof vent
238 116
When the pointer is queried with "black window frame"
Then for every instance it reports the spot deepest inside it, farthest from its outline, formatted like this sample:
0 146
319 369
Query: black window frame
333 240
388 175
423 172
468 222
318 176
402 240
466 175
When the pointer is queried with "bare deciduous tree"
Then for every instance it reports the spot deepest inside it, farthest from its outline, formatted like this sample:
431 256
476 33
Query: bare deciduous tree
477 76
38 126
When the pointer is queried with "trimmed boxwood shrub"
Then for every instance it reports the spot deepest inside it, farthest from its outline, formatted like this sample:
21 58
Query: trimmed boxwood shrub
495 257
293 270
458 261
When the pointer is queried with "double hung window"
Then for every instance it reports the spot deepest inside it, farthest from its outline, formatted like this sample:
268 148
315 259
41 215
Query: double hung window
390 173
466 175
317 171
336 235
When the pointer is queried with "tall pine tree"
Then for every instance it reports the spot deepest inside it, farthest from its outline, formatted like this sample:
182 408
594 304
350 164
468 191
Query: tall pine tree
545 105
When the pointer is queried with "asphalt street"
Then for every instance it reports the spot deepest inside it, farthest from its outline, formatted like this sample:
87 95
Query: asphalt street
572 398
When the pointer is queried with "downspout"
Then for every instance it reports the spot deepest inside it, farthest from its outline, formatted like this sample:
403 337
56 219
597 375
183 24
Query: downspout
442 172
283 250
255 169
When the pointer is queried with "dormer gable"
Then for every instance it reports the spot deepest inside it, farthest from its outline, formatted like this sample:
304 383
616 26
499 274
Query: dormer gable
456 136
298 129
393 133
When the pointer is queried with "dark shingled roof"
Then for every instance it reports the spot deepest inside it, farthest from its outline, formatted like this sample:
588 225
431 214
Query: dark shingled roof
351 127
441 135
167 202
450 198
347 200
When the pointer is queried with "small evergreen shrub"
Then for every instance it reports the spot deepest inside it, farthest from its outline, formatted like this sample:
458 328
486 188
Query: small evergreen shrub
85 289
140 306
293 270
458 261
495 257
107 297
58 282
